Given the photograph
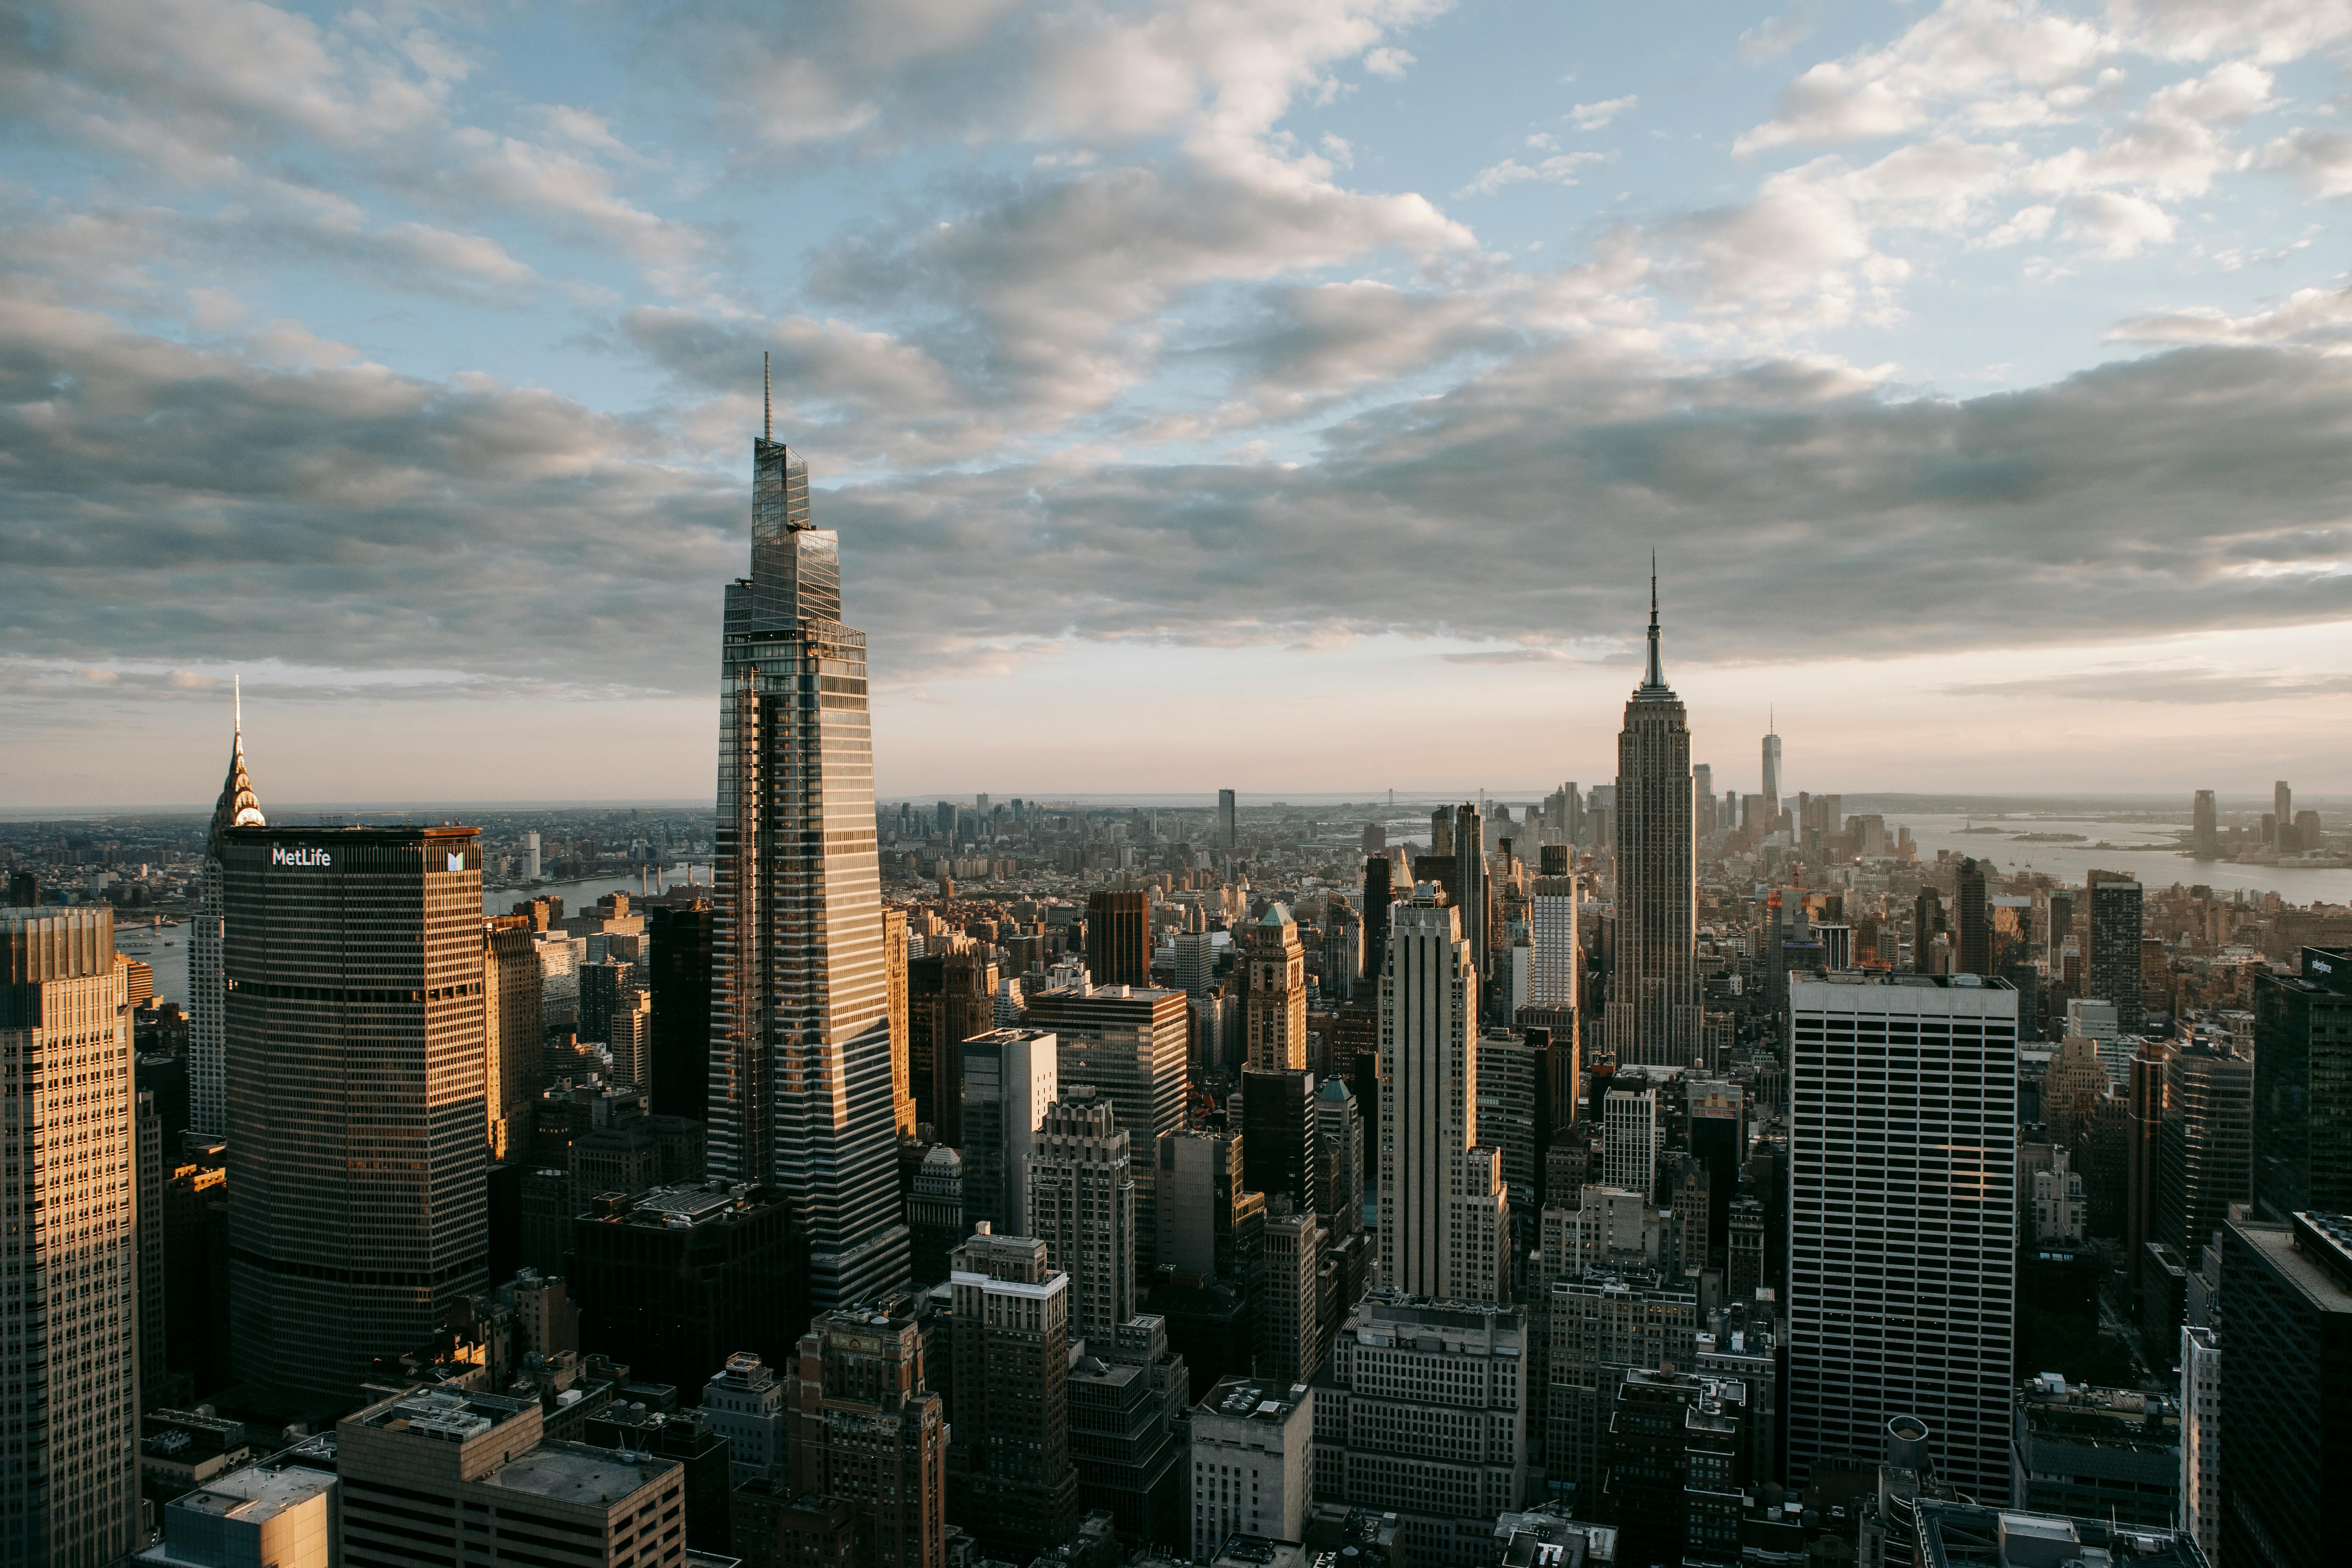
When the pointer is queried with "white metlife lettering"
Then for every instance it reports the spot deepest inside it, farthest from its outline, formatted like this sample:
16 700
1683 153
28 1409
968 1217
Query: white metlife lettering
281 855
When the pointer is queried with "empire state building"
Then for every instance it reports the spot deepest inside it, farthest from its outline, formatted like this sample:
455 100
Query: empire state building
1654 1016
801 1089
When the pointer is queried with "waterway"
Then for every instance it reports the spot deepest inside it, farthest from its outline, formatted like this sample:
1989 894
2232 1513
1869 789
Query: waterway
2147 850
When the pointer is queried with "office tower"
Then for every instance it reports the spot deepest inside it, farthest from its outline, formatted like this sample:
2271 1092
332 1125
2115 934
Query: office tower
1343 950
1254 1463
935 1214
207 983
1771 776
1703 803
513 1033
274 1513
1128 1398
801 1091
1926 923
677 940
1118 938
1280 1147
952 999
1009 1476
1009 1078
2113 971
1631 1139
866 1427
1377 896
70 1354
1403 1371
1445 1218
1289 1318
435 1476
2095 1453
355 1111
897 985
1524 1079
1081 1204
2205 826
1470 896
1974 951
1653 993
2283 815
1676 1470
152 1333
2303 1088
2201 1439
674 1281
1718 1138
2207 1145
530 856
1339 1130
1132 1044
745 1403
2286 1342
604 986
1557 953
1603 1324
1196 962
1228 838
1441 834
1902 1219
1276 1000
2143 1148
1211 1222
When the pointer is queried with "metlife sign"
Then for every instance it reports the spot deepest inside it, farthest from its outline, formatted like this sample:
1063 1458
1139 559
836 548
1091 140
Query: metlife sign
281 854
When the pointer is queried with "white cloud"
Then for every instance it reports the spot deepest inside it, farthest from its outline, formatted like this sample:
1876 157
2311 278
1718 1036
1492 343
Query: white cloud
1593 116
1996 62
2115 225
1776 36
2319 161
1388 62
2318 318
1560 168
2272 31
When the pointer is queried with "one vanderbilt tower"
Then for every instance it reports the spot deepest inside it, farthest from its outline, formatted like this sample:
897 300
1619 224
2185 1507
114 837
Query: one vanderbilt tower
801 1093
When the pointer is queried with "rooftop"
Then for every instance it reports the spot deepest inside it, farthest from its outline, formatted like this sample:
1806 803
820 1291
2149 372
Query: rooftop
1953 1533
576 1473
256 1493
1254 1399
447 1417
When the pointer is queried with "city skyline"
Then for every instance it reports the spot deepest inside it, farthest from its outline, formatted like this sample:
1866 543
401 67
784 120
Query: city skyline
440 463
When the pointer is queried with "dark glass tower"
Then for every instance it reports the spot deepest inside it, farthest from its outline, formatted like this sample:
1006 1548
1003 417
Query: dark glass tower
2302 1086
801 1091
680 938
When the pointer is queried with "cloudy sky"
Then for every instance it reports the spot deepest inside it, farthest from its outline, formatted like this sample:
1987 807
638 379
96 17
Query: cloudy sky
1281 394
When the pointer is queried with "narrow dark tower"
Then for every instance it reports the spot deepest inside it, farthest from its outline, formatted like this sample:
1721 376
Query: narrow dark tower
1653 994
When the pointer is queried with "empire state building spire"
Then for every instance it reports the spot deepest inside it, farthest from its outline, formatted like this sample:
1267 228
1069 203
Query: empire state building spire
1654 1012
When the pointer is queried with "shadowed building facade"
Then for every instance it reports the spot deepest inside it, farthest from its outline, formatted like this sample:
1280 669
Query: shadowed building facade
1653 1015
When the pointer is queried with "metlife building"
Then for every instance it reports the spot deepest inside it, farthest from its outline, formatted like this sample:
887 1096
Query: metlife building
352 958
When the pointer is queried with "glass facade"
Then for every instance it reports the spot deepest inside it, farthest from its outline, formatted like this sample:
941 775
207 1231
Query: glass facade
802 1094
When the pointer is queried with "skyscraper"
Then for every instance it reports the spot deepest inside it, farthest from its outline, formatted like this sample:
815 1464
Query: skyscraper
2206 1160
866 1427
1557 953
1009 1082
1974 910
1470 897
1118 938
1227 831
1082 1206
358 1218
1275 1015
1903 1218
678 937
2286 1353
800 1091
2114 967
1771 775
2303 1088
207 990
1444 1225
2205 826
1010 1481
1653 994
2282 812
513 1038
69 1343
1377 896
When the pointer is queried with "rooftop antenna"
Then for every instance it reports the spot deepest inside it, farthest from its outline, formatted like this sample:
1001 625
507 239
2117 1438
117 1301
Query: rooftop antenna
767 401
237 692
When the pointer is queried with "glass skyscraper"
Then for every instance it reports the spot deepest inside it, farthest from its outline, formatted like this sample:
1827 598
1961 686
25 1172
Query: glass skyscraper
208 986
801 1091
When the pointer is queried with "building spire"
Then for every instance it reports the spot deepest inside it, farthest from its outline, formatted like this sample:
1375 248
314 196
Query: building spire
1655 680
767 401
239 807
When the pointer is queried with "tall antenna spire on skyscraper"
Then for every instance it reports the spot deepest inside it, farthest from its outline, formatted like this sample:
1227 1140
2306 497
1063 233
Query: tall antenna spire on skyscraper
767 401
1657 677
236 690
